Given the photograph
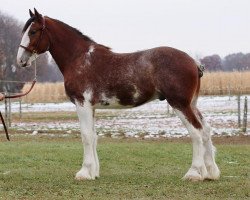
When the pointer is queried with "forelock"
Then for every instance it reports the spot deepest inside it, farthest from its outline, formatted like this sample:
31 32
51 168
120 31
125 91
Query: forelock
27 24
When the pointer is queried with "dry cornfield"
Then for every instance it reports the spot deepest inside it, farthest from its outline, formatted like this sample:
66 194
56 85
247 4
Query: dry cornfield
45 92
213 83
225 83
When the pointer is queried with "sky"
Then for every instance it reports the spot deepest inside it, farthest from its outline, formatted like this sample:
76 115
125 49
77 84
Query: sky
198 27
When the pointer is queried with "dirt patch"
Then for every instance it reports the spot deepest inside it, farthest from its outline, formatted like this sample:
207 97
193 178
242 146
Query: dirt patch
240 139
74 135
227 140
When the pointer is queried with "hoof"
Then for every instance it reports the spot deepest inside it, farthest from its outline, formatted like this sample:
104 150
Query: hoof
193 177
195 174
213 172
83 174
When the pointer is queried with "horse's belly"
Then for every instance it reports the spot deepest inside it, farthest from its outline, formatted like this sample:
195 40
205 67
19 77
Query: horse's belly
111 103
115 103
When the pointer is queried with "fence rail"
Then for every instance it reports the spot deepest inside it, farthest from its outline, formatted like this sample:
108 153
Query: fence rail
236 105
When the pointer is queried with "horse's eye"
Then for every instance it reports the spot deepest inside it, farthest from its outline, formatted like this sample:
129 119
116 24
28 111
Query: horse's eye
32 32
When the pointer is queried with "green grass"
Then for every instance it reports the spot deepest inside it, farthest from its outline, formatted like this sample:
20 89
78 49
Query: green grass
42 168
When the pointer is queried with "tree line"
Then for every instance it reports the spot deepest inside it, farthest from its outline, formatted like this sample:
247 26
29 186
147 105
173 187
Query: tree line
231 62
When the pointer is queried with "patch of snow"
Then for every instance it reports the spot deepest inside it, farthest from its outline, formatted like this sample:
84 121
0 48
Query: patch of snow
149 121
34 133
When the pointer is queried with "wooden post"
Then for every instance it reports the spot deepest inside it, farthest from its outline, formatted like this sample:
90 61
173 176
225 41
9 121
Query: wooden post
244 128
6 109
229 91
9 113
239 120
20 108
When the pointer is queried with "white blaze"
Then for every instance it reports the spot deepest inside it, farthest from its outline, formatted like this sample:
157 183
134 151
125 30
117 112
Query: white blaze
24 42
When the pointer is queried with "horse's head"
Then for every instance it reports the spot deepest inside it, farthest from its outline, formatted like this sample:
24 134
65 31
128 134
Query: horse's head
35 40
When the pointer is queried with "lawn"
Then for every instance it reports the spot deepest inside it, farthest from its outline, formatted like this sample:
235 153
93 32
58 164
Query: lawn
44 168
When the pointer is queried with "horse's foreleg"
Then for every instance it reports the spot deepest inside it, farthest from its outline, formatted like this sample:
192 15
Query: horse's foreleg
90 166
97 167
198 169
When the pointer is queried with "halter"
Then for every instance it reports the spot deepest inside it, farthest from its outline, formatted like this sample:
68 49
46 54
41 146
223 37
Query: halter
34 50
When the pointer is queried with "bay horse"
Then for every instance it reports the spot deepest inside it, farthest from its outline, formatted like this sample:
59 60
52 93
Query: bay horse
96 77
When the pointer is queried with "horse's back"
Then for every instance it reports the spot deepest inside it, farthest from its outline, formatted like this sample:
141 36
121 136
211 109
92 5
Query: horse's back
163 59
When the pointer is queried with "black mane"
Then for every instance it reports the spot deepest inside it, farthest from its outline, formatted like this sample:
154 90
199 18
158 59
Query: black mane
86 38
27 24
32 19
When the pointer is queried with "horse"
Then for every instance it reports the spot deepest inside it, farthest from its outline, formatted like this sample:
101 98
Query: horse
97 77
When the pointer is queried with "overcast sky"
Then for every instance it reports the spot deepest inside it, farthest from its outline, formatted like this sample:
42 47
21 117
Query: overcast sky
198 27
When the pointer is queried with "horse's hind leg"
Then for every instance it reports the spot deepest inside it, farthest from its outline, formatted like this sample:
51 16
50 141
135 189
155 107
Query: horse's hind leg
213 171
198 170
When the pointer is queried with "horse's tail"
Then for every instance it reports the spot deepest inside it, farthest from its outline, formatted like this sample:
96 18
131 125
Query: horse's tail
201 69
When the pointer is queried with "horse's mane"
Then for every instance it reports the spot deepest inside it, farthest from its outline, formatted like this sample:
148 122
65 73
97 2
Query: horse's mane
27 24
85 37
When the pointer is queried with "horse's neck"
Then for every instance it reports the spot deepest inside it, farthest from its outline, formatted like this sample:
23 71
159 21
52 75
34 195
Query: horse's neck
66 46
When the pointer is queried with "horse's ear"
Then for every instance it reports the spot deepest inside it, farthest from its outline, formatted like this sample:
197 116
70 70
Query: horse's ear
31 13
37 14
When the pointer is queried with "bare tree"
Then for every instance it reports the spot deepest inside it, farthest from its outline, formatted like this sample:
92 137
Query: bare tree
236 61
212 63
10 34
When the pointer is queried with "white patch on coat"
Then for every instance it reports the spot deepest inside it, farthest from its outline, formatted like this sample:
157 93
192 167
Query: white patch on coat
137 94
91 49
24 42
88 55
109 103
87 95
